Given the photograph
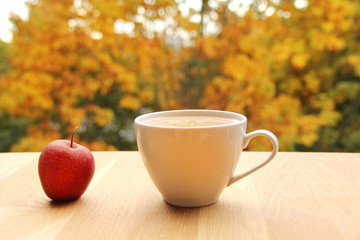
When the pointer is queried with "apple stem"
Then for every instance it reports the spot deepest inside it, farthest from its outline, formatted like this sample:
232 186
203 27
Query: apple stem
72 139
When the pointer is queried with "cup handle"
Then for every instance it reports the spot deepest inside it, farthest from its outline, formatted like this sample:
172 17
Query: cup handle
247 138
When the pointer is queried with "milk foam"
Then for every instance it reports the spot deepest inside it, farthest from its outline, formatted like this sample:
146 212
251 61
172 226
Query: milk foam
189 121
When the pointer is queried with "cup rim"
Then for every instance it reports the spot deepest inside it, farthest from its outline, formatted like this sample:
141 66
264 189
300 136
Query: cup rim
192 112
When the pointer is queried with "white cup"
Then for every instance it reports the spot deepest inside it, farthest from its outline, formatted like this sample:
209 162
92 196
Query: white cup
191 166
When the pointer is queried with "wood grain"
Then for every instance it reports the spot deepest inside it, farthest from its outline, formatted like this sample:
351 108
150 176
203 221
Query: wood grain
296 196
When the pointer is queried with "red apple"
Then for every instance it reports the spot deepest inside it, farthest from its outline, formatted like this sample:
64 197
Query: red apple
65 169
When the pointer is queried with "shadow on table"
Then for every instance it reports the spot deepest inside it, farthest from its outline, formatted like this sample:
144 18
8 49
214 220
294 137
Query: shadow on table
64 204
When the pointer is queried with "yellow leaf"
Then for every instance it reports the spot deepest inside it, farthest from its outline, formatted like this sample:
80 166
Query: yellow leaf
299 60
130 102
103 116
146 96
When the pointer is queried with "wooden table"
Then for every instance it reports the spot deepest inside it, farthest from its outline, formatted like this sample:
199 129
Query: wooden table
297 196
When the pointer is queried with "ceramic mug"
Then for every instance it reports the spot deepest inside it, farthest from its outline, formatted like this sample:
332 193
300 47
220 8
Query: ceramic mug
191 155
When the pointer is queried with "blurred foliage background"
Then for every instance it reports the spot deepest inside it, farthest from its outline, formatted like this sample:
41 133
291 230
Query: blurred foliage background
292 67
